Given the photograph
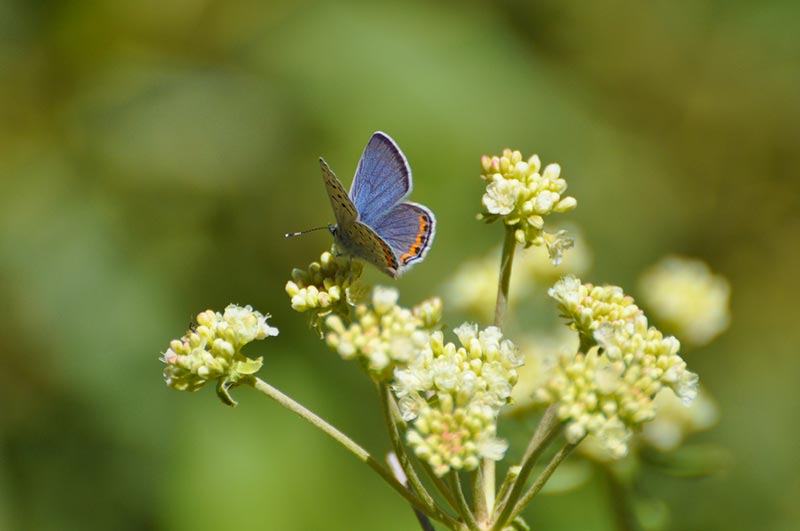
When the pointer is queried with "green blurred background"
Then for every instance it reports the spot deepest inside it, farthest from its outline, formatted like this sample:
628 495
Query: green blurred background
152 154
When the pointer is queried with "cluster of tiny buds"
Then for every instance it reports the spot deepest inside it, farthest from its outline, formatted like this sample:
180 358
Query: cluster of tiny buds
383 335
330 285
452 396
588 306
521 196
211 349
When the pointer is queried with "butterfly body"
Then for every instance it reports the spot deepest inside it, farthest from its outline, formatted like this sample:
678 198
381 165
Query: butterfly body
372 221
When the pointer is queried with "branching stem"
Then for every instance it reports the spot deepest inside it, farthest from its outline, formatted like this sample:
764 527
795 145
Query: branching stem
360 453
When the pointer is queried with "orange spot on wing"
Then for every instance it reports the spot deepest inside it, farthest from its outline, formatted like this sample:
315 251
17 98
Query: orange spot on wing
422 237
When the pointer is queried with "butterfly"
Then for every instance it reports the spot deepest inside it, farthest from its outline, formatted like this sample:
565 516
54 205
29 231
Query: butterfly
372 221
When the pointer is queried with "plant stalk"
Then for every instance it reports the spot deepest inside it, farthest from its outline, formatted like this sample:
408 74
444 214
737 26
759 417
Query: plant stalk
360 453
416 486
463 506
485 486
542 479
545 432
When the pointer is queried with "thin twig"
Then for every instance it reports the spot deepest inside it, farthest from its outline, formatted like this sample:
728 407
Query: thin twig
416 486
542 478
463 506
545 432
360 453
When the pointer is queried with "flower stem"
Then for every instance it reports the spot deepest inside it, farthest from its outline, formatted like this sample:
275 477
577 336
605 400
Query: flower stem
545 432
506 260
542 479
441 486
360 453
416 486
484 487
463 506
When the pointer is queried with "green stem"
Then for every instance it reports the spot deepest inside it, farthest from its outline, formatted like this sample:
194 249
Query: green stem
542 479
545 432
463 506
485 485
506 260
360 453
586 343
441 486
416 486
483 488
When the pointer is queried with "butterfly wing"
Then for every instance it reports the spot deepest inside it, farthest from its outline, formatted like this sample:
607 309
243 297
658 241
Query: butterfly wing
360 240
383 178
408 228
343 208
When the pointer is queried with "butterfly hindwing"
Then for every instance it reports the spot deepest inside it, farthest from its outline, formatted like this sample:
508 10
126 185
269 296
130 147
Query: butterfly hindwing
343 208
408 228
383 178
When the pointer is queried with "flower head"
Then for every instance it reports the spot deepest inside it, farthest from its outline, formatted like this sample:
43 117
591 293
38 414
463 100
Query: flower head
588 306
331 285
211 350
453 395
687 298
383 335
519 194
609 392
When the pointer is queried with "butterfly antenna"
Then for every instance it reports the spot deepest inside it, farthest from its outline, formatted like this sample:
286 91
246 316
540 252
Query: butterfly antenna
292 234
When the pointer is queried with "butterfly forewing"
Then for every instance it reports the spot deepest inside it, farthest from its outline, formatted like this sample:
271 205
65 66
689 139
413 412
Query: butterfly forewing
383 178
343 208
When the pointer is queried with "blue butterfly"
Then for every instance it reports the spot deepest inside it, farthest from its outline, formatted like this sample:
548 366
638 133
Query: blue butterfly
372 221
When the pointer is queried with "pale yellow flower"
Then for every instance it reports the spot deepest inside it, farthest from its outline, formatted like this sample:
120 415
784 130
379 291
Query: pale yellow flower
687 298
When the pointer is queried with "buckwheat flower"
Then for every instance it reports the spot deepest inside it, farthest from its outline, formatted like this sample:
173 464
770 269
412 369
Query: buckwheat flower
331 285
687 298
519 194
383 335
638 345
502 195
675 420
211 351
455 438
597 397
452 395
588 306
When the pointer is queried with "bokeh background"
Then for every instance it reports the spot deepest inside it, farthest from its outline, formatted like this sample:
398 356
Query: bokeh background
152 154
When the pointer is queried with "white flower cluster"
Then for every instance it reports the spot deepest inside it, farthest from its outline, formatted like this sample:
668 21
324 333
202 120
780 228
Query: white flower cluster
610 390
384 335
588 306
522 196
452 396
212 349
685 297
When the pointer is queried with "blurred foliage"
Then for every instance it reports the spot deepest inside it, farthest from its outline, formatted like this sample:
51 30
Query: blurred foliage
152 154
